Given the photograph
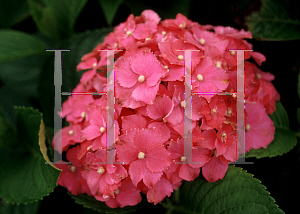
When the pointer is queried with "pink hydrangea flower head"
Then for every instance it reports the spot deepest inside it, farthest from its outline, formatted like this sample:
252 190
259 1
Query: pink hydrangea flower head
151 109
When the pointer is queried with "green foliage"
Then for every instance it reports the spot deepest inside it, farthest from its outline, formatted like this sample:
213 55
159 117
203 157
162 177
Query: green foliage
277 20
16 45
12 12
8 135
56 19
237 192
284 139
109 9
20 84
24 176
7 208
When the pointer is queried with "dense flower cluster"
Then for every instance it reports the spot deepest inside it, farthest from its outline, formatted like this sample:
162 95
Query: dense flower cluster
149 109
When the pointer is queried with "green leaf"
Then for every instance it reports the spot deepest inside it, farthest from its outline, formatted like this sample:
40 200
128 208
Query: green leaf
277 20
12 12
109 9
20 80
101 207
9 99
238 192
32 208
24 176
284 139
7 133
16 45
23 75
56 19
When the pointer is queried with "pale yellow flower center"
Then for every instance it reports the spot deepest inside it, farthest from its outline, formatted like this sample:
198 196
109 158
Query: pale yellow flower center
102 129
224 136
199 77
73 168
101 170
247 127
141 155
229 111
213 111
141 78
258 76
183 103
71 132
180 57
202 41
218 64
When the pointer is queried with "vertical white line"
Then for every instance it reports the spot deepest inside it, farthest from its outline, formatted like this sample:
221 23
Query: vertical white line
57 105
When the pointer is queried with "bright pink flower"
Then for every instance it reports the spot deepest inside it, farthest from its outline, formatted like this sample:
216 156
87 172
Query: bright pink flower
161 107
179 23
232 32
171 47
70 136
124 33
126 195
177 114
150 15
71 176
97 127
151 109
147 159
125 99
159 191
236 44
133 121
200 107
188 171
75 109
259 127
217 112
213 44
207 77
215 169
102 179
138 72
226 137
209 138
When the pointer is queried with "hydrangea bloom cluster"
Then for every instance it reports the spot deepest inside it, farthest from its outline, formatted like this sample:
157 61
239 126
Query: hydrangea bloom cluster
149 109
